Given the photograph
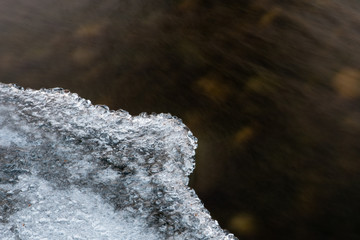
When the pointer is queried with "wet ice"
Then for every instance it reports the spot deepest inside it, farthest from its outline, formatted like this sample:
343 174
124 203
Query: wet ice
72 170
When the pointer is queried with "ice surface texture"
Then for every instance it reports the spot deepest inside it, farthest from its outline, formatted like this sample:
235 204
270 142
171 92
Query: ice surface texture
72 170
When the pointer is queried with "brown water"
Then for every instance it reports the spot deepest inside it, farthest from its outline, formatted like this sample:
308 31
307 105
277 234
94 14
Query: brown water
270 88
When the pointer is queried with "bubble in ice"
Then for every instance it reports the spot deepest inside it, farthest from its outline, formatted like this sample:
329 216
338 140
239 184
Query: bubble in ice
72 170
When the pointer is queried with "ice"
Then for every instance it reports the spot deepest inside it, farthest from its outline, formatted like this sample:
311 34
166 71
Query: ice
72 170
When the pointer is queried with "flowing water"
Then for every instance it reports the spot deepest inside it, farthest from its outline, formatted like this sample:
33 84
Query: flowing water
270 88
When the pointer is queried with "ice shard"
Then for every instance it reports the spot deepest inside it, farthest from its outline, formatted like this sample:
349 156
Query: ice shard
72 170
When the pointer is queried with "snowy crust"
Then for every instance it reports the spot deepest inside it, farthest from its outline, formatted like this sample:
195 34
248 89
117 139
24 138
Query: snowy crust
72 170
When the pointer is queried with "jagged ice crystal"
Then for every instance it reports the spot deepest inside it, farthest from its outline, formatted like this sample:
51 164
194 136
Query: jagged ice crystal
72 170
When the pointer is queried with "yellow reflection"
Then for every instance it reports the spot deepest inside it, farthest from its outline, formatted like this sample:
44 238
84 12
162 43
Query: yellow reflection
268 17
187 4
347 83
262 84
213 88
83 56
193 119
243 135
243 223
90 30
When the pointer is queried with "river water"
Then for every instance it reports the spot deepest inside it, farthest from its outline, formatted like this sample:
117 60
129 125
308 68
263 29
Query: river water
270 88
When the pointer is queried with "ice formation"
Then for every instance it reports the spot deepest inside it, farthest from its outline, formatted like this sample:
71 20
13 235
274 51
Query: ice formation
72 170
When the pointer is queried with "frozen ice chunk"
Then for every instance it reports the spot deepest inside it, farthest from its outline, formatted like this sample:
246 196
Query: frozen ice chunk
72 170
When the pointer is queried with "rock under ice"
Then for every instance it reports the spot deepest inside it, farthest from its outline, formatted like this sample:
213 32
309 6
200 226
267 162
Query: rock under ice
72 170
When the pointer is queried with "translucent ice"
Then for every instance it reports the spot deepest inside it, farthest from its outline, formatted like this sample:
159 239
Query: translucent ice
71 170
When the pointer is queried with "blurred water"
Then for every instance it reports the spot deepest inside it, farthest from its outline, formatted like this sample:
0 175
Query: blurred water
270 88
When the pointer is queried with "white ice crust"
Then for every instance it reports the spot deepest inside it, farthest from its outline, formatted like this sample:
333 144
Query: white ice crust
72 170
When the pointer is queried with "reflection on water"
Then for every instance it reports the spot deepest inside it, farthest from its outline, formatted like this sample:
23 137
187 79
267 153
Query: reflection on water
270 88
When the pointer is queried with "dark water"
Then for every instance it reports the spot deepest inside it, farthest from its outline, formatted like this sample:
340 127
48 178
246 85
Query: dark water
270 88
